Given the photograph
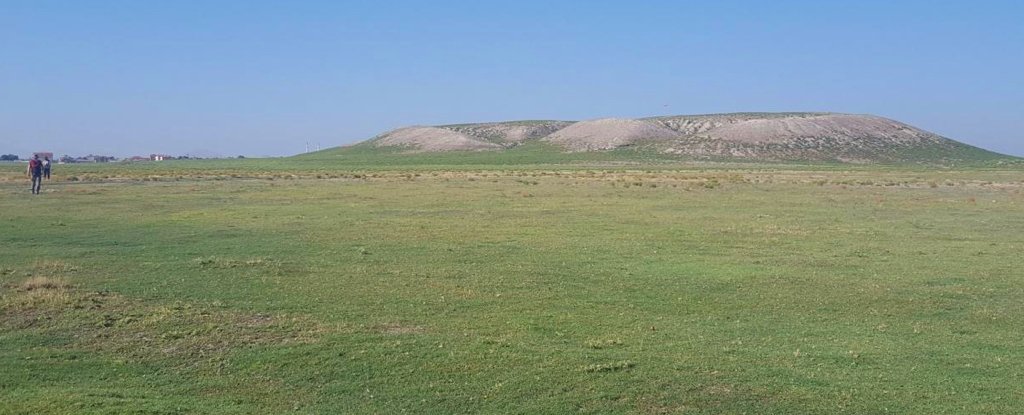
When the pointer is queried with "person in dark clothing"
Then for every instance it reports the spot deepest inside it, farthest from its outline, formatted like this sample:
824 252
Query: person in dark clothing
35 170
46 168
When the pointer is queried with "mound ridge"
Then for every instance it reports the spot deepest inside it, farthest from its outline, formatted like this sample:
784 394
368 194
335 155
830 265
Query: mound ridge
842 127
509 133
821 136
696 124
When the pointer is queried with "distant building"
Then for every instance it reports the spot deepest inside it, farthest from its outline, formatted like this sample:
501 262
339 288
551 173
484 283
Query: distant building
92 158
160 157
43 155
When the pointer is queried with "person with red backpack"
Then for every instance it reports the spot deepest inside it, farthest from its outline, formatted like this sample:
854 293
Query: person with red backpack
35 170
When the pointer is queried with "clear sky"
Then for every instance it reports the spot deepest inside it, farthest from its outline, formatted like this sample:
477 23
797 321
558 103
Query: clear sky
265 77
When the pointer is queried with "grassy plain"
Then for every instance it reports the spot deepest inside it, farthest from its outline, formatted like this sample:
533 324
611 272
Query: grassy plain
307 286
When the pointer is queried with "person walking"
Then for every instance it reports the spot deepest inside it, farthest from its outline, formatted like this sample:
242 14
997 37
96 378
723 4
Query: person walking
35 170
46 168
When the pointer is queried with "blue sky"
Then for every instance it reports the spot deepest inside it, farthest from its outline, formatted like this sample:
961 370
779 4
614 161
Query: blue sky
264 78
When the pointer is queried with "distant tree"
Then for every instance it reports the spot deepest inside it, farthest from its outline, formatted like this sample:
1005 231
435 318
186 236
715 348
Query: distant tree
241 157
9 157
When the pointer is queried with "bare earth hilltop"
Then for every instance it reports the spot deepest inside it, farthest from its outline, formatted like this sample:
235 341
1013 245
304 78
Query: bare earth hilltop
812 136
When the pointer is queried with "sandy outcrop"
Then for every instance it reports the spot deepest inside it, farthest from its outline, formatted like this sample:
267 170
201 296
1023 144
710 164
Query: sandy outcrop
609 133
831 127
432 139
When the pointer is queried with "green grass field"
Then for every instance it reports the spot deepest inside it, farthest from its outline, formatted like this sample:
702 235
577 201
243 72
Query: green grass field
308 286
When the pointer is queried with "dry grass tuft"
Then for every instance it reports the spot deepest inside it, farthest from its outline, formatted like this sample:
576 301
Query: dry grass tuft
603 344
609 367
219 262
395 329
44 283
36 293
54 267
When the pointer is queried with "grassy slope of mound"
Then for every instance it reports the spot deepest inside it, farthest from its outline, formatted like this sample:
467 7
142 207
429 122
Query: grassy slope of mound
543 153
531 152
